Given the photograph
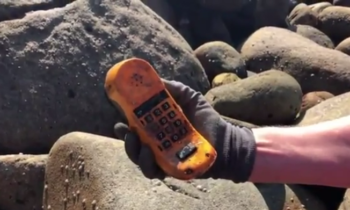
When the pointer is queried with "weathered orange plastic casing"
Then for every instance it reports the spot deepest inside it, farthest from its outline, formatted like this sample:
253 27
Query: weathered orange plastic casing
136 88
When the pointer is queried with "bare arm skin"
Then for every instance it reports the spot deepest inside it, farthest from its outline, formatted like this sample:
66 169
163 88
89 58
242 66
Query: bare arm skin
317 154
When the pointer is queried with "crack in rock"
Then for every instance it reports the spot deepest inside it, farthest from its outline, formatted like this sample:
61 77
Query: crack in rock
10 10
178 188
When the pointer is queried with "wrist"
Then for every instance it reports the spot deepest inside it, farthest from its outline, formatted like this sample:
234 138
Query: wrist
236 152
302 154
284 154
270 155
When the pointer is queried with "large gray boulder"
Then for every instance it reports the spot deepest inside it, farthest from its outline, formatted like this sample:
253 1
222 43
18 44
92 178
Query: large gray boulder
53 65
85 170
22 181
315 67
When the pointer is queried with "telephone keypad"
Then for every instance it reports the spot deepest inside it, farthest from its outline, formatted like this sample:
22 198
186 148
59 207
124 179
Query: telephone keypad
163 120
157 116
177 123
165 123
165 106
160 136
171 114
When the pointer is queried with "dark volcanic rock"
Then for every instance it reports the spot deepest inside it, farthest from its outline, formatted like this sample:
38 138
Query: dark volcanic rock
53 66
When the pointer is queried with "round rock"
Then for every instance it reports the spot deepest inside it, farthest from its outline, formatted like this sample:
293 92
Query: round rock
313 98
344 46
224 78
335 22
219 57
271 97
302 14
313 66
315 35
319 7
329 109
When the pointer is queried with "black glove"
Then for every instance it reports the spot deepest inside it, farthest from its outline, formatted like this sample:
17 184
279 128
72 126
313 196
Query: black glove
235 146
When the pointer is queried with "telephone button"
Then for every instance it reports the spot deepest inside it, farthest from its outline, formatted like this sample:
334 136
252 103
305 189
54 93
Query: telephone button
148 118
166 144
160 136
177 123
165 106
175 137
163 120
171 114
157 112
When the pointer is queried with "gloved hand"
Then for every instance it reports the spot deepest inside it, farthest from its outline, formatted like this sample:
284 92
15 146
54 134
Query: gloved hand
235 146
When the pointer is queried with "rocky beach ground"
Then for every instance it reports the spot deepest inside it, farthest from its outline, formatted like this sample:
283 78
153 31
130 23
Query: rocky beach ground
258 62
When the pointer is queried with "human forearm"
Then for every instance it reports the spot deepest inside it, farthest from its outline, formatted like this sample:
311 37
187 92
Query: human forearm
317 154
